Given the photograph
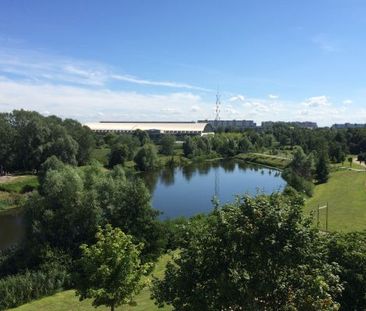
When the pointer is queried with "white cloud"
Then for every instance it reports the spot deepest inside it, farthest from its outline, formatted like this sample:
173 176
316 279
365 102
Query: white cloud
93 104
317 101
347 102
271 96
53 69
236 98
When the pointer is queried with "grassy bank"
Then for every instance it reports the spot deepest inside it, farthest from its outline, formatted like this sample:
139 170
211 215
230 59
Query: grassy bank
19 184
264 159
345 193
12 189
67 301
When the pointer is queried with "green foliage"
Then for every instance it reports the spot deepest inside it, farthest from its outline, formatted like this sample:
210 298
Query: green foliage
30 138
118 155
74 202
21 184
21 288
110 270
147 157
167 143
255 254
322 168
349 251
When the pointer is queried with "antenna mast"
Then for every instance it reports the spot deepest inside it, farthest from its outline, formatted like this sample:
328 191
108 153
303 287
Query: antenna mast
218 104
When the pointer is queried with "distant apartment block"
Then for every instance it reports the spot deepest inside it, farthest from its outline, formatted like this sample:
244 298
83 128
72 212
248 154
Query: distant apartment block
349 126
233 124
304 124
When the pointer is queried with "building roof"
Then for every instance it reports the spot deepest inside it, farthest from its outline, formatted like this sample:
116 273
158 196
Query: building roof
148 126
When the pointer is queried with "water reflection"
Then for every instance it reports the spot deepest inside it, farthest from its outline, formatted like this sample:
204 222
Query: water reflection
188 190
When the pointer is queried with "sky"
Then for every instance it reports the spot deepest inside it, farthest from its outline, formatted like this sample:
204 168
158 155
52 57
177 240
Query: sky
133 60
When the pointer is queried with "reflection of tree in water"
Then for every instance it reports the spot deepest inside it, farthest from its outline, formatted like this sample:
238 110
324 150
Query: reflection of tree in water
277 174
228 166
188 171
204 167
167 175
151 179
243 166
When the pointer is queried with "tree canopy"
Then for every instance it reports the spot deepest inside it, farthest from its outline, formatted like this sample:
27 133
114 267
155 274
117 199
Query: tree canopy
255 254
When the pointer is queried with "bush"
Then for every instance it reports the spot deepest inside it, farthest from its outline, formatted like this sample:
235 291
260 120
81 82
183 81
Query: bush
21 288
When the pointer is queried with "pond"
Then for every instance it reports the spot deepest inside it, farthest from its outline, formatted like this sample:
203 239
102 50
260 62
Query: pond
189 190
184 191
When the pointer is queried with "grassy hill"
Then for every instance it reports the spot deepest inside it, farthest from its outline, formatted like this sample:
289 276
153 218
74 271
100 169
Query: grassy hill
67 301
345 192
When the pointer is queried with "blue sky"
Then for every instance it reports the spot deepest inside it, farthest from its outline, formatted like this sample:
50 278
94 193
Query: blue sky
164 60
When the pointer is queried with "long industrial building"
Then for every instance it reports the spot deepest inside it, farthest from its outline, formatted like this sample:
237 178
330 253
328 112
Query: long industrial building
173 128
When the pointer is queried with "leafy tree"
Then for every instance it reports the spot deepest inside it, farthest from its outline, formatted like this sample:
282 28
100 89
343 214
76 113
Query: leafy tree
302 164
147 157
142 136
322 168
129 208
110 270
167 143
118 155
350 160
244 145
349 251
84 138
64 215
189 147
254 254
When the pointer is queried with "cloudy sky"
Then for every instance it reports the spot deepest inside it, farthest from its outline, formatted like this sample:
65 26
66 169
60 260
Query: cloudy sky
165 60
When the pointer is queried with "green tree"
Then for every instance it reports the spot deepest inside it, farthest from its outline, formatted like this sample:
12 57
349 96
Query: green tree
167 143
349 251
350 160
110 270
189 147
322 168
254 254
118 155
147 157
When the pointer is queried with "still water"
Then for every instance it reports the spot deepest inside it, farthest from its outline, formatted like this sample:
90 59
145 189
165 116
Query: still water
183 191
189 190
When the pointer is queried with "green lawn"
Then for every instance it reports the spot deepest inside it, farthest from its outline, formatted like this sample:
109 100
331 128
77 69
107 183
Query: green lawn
67 301
20 184
265 159
345 193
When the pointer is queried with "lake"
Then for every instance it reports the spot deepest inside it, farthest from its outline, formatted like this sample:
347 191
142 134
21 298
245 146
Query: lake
189 190
184 191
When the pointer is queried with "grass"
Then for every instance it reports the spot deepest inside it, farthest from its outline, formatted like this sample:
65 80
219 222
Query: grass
20 184
265 159
345 193
67 301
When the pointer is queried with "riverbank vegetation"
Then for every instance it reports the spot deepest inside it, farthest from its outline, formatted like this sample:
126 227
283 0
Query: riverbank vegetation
258 252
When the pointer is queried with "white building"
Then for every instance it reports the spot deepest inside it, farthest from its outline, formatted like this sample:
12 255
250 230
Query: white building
172 128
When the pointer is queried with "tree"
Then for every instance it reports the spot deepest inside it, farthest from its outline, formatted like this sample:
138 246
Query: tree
110 270
189 147
147 157
322 168
167 143
350 160
254 254
118 155
349 251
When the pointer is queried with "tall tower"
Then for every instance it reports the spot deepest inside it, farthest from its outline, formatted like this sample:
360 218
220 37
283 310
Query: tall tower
218 104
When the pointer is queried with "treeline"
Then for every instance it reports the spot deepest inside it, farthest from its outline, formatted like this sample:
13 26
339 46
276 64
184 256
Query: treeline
66 212
28 139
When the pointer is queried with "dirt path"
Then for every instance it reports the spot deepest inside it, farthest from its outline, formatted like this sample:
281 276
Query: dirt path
8 178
